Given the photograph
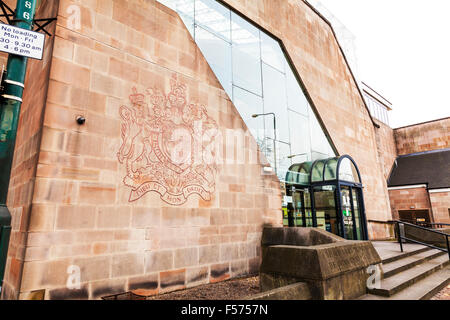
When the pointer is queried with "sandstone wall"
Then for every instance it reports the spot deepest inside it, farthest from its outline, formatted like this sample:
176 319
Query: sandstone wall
104 200
433 135
409 199
387 149
440 202
98 203
26 156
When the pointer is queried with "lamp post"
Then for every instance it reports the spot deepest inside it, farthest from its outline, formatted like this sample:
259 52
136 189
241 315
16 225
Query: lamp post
297 155
11 101
275 135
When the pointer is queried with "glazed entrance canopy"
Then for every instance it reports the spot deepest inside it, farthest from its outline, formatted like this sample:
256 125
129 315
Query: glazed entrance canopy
322 171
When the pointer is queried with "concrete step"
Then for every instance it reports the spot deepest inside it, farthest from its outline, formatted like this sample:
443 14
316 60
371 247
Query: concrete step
396 283
402 255
392 268
424 289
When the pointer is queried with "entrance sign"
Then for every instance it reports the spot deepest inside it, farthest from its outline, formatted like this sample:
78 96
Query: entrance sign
21 42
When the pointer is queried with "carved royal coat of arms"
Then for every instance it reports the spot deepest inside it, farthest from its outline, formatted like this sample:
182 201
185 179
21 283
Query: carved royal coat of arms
168 145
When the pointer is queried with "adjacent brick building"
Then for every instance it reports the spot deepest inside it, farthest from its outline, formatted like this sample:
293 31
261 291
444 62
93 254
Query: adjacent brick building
109 197
419 179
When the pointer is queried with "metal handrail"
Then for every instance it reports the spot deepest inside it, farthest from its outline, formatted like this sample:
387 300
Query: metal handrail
426 224
400 238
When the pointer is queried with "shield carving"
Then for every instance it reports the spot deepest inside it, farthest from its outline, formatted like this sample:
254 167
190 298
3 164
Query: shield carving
176 144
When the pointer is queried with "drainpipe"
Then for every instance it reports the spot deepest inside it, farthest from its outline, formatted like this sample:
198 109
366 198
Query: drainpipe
11 101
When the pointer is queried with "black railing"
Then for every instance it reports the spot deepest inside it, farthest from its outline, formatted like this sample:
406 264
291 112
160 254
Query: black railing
428 224
401 238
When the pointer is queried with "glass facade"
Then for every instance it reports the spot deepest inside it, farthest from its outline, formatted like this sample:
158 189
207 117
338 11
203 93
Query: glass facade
254 71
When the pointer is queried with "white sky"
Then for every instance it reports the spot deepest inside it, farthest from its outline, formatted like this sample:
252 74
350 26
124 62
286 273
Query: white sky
403 52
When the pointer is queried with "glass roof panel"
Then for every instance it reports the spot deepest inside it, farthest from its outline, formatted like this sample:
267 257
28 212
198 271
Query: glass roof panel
348 172
213 16
317 171
330 169
299 174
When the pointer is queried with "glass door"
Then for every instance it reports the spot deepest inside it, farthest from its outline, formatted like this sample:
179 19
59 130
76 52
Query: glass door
351 213
347 213
325 205
298 204
356 196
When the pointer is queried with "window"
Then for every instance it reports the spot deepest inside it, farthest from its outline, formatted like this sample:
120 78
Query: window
218 53
246 49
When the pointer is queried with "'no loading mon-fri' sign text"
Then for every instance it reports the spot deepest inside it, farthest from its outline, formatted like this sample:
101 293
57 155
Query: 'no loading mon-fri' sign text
21 42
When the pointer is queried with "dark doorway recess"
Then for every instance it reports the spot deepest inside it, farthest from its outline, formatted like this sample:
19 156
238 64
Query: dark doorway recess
415 216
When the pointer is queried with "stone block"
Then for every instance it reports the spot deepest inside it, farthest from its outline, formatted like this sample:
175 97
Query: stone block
173 280
219 272
93 268
147 282
100 289
75 217
69 294
97 193
159 261
113 217
146 217
128 264
186 257
197 276
209 254
334 268
239 268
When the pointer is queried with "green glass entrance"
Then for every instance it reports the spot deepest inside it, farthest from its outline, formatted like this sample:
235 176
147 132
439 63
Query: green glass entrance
331 199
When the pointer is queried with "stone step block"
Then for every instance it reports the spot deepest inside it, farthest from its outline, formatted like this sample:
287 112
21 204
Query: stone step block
394 284
422 290
393 268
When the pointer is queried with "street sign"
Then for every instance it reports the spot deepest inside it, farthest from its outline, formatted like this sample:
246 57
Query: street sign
21 42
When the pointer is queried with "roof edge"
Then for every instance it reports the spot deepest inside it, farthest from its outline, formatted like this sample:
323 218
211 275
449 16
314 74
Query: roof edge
423 153
421 123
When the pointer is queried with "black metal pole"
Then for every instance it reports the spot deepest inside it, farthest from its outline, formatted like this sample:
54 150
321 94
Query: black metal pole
303 209
355 231
399 236
339 210
448 247
363 214
313 207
